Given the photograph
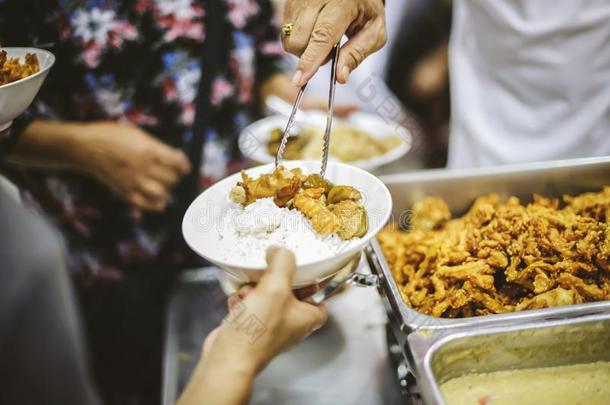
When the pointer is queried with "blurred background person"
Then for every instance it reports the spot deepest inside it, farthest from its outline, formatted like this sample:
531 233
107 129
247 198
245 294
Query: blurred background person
418 73
141 111
43 356
530 81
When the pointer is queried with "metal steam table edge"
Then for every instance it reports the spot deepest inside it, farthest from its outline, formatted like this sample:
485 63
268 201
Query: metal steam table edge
445 174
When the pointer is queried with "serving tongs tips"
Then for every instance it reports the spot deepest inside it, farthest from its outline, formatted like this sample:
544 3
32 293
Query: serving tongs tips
329 114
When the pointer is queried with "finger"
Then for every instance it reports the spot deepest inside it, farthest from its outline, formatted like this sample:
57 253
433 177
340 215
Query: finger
368 40
155 193
239 296
302 21
280 271
168 177
153 189
140 201
233 301
314 316
245 291
331 24
174 158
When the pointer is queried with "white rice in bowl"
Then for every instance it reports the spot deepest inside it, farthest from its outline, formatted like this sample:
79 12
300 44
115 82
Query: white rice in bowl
246 233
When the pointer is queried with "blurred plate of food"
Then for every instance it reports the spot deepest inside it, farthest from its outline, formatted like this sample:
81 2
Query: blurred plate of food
22 72
363 140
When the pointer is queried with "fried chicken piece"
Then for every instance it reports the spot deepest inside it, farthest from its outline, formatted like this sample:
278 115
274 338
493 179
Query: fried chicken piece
282 185
478 273
590 291
592 205
317 181
342 193
321 218
429 213
353 219
552 298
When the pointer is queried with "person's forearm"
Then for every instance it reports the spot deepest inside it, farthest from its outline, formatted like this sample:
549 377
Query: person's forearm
219 380
52 144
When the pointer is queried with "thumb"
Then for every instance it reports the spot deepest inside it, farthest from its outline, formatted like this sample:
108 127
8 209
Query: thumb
280 271
370 39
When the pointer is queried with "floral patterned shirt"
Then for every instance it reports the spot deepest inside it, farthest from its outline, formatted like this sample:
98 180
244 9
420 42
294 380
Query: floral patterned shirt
184 70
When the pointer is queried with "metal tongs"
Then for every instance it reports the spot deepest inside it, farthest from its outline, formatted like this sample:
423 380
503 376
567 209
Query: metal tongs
334 55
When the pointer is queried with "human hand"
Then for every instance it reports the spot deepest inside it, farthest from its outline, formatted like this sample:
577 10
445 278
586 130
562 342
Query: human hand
319 24
267 319
133 164
430 75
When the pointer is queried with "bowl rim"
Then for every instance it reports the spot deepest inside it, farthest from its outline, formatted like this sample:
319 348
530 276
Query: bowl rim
347 252
29 50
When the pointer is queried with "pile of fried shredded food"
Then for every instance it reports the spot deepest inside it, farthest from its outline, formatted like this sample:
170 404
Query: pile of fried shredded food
329 208
502 256
12 70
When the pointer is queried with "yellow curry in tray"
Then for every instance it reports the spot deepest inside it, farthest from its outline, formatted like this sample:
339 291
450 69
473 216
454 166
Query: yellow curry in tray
586 384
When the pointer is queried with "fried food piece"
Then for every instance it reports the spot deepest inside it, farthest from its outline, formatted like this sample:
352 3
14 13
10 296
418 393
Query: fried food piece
556 297
238 195
502 256
352 217
282 185
429 213
315 181
294 145
321 218
341 193
12 70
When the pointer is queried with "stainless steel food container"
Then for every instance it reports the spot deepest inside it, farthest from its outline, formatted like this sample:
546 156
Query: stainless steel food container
537 344
459 188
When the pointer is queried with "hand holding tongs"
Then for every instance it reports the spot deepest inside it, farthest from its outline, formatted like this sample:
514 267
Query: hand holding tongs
329 114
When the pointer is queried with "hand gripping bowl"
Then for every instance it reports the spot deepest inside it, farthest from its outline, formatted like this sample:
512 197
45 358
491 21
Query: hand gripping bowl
15 97
202 222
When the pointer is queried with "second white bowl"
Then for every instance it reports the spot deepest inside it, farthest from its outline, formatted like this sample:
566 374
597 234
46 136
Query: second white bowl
15 97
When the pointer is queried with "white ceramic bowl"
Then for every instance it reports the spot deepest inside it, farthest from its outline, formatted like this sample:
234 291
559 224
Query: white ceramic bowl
254 138
201 223
15 97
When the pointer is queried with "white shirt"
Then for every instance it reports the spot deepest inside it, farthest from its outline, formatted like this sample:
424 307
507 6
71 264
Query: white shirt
530 81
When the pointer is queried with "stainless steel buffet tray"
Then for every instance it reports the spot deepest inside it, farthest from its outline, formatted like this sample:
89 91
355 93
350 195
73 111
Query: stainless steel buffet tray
534 345
459 188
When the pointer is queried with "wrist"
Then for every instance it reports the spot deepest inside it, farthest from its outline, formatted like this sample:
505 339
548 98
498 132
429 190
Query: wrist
48 143
81 146
231 367
235 357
